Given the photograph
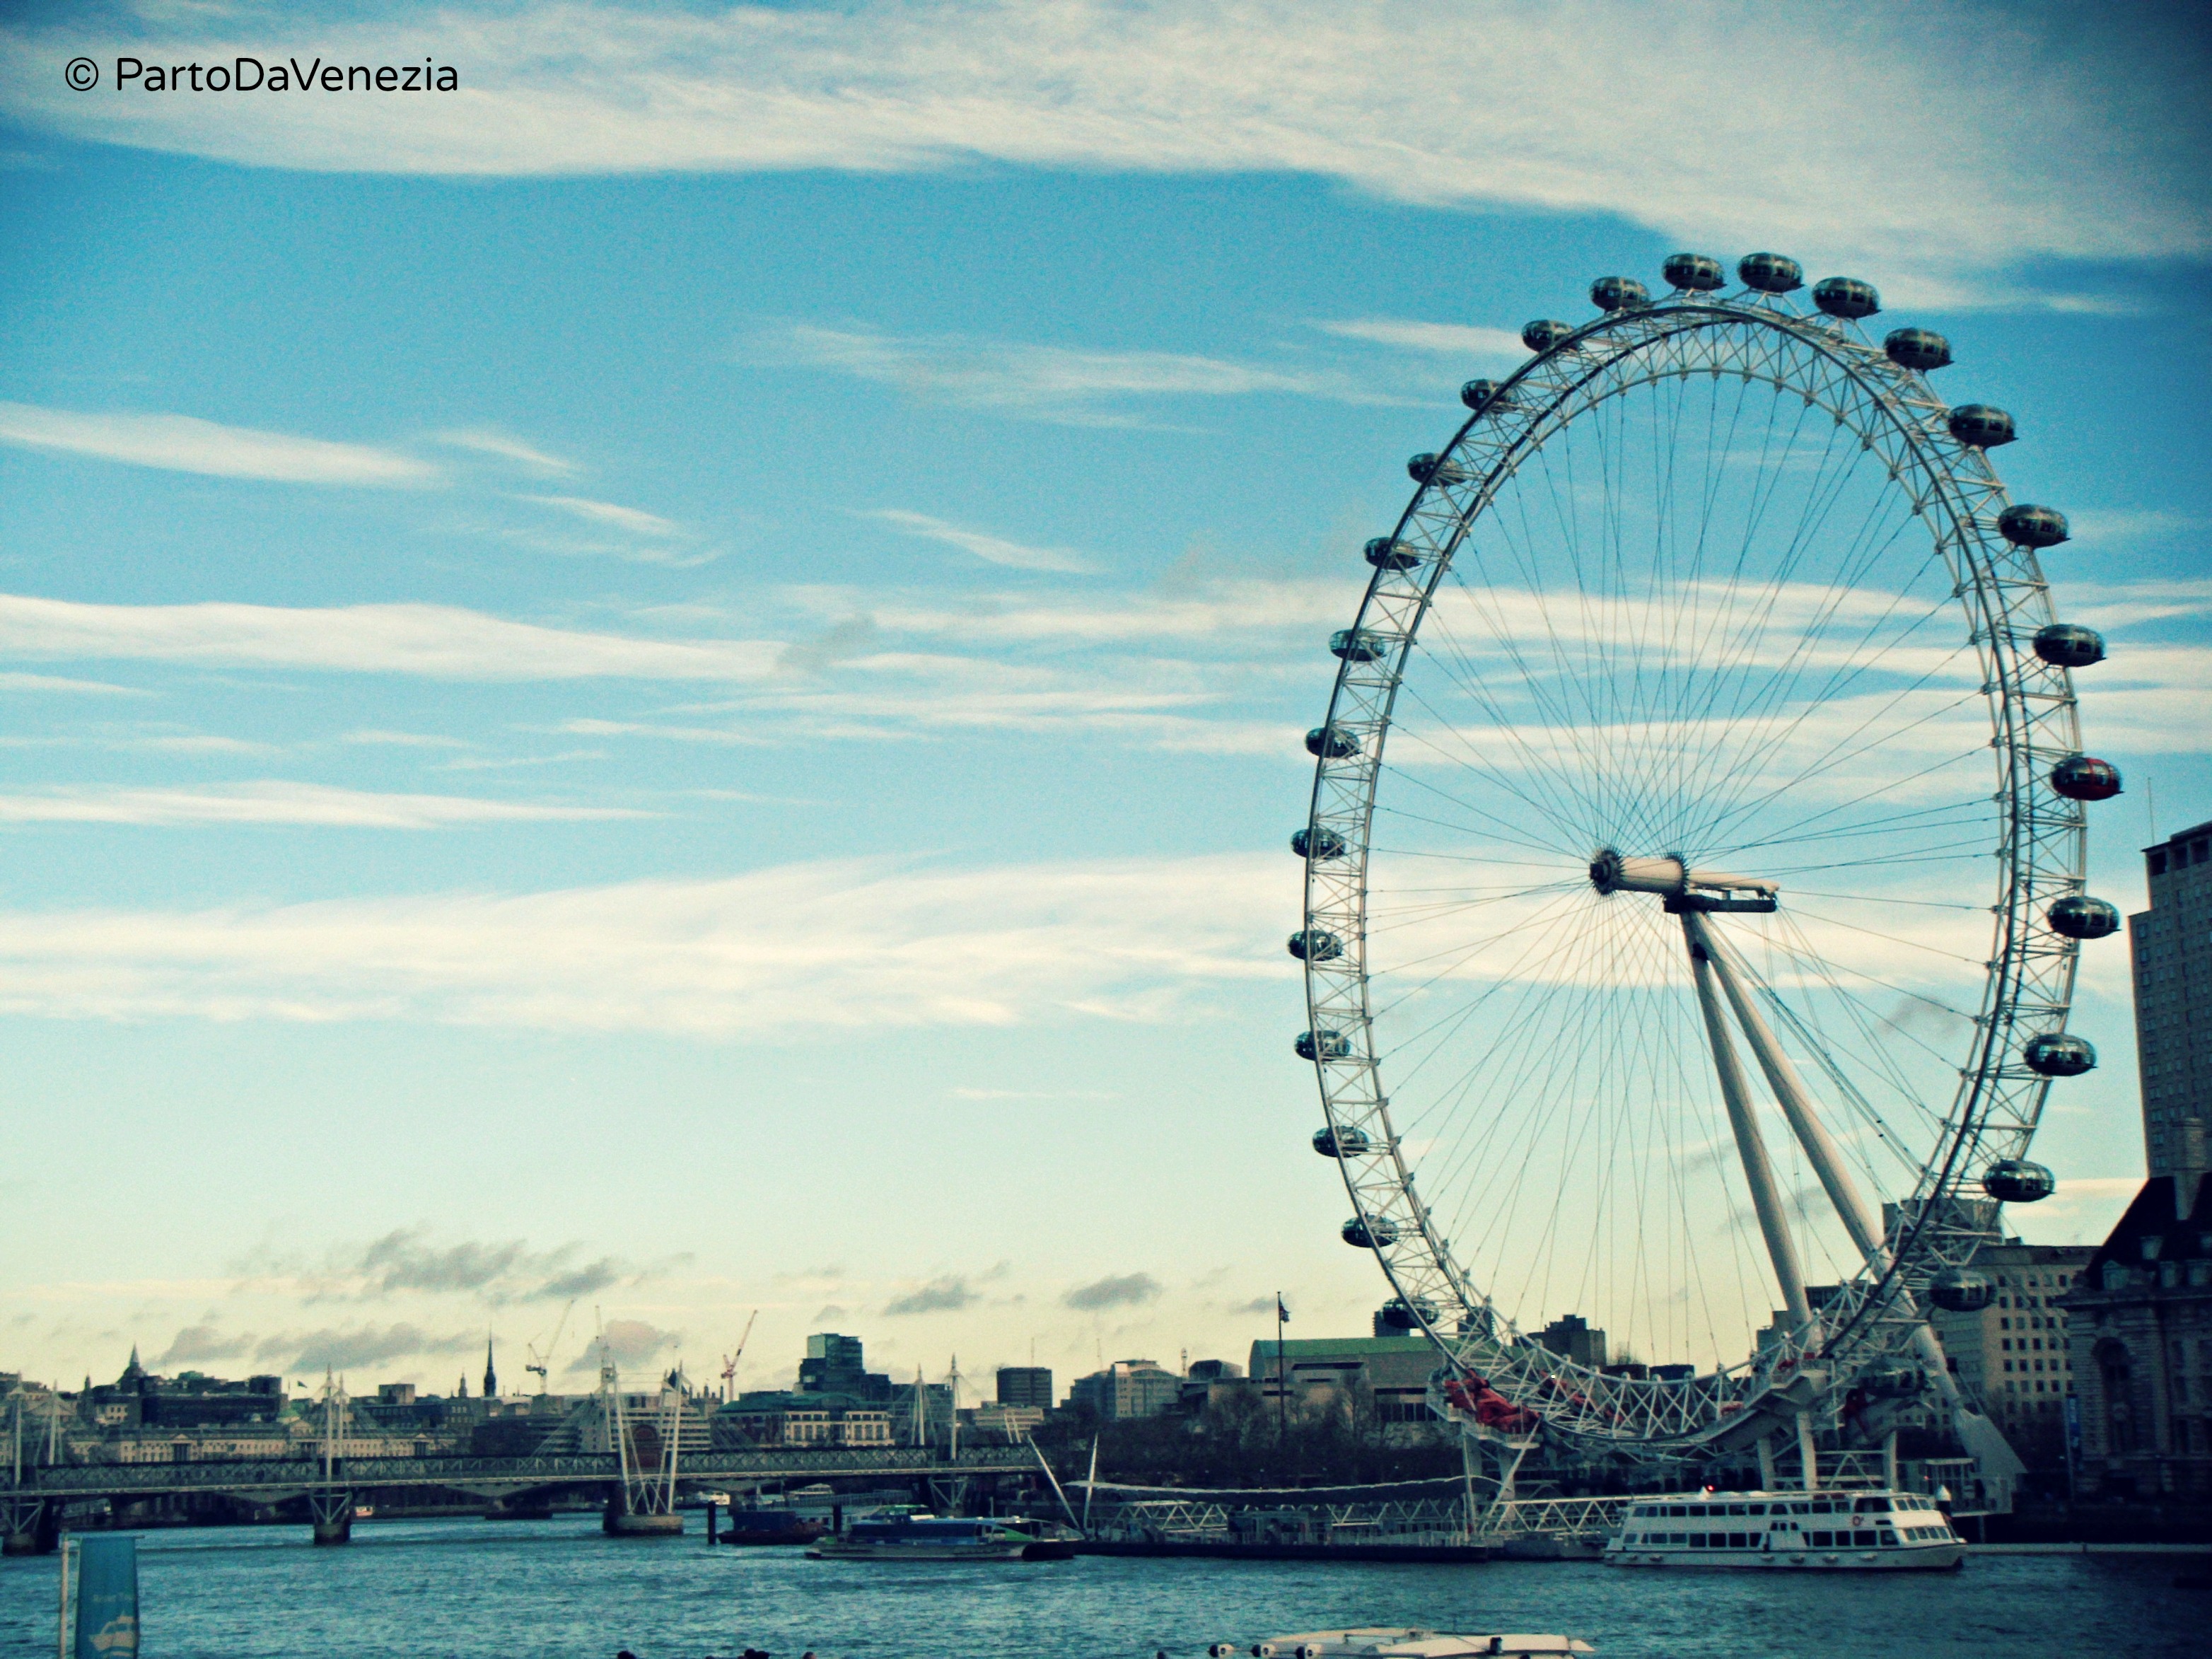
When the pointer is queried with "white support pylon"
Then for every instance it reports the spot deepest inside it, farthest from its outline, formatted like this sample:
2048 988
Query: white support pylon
1765 1197
1980 1436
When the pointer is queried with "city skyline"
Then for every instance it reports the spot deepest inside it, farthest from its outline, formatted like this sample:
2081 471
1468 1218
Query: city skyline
613 698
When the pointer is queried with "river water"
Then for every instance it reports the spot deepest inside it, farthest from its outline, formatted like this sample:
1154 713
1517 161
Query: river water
559 1590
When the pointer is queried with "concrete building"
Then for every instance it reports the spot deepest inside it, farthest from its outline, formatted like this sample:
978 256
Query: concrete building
2012 1357
1570 1338
802 1417
2171 945
1393 1370
2141 1334
995 1420
1205 1381
1025 1385
1126 1388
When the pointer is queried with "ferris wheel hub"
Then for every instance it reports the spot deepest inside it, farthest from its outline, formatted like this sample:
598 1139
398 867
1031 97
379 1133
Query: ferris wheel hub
1612 872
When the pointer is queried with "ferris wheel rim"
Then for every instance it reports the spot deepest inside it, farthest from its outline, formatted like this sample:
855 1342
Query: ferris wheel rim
1962 486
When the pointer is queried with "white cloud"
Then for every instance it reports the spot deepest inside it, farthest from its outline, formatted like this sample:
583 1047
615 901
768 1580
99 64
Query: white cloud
437 641
181 443
401 739
2116 524
607 512
1933 137
488 440
1444 339
15 681
855 944
274 801
1057 383
992 549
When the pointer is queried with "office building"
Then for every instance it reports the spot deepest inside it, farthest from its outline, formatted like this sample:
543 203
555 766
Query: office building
2012 1357
1126 1388
2171 945
834 1364
1570 1338
1025 1385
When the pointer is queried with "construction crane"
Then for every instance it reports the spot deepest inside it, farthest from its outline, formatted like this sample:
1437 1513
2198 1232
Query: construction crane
540 1361
729 1360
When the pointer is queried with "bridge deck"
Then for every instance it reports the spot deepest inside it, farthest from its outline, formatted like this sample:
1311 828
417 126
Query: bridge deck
277 1477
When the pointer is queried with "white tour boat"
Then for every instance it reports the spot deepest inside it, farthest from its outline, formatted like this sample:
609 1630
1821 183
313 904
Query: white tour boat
1404 1642
1829 1531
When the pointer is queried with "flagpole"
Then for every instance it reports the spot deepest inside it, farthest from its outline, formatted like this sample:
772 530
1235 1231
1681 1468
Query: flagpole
1282 1395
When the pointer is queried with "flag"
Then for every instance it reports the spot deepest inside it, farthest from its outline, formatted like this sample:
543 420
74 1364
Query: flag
106 1598
1282 1314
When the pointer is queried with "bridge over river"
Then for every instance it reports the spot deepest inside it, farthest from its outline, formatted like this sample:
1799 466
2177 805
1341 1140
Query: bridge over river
32 1503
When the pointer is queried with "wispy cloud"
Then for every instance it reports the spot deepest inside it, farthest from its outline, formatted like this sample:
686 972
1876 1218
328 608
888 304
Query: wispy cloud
435 642
607 513
947 1295
340 1348
197 1345
408 1259
1942 137
1053 383
278 802
15 681
182 443
488 440
1115 1291
2123 523
373 736
993 549
1497 345
856 945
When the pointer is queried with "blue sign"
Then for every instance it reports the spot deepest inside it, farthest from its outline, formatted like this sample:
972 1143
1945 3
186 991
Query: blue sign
2074 1425
106 1598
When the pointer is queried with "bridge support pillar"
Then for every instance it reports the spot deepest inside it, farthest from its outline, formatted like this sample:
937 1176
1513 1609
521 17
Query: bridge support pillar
28 1525
331 1512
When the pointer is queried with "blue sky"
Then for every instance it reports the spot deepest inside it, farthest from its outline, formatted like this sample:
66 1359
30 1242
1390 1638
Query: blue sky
676 677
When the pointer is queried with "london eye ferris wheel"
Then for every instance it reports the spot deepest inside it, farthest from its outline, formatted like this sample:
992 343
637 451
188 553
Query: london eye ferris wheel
1694 873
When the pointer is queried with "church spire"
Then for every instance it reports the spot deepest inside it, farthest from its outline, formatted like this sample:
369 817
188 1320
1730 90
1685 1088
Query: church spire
491 1377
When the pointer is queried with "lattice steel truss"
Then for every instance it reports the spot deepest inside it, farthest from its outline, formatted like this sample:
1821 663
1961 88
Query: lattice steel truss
1952 487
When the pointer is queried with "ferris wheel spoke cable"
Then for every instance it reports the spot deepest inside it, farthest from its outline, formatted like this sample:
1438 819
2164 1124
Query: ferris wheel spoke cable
1574 677
1441 1027
1787 834
1474 683
1806 1024
1954 851
1886 899
1557 814
1752 764
1540 940
1830 758
1735 653
1466 1160
1532 923
1875 1049
1758 713
1410 818
1459 666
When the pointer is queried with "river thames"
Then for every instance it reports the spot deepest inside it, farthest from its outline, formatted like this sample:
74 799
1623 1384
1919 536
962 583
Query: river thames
559 1589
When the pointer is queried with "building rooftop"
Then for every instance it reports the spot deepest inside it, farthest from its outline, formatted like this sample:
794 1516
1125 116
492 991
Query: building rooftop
1316 1347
